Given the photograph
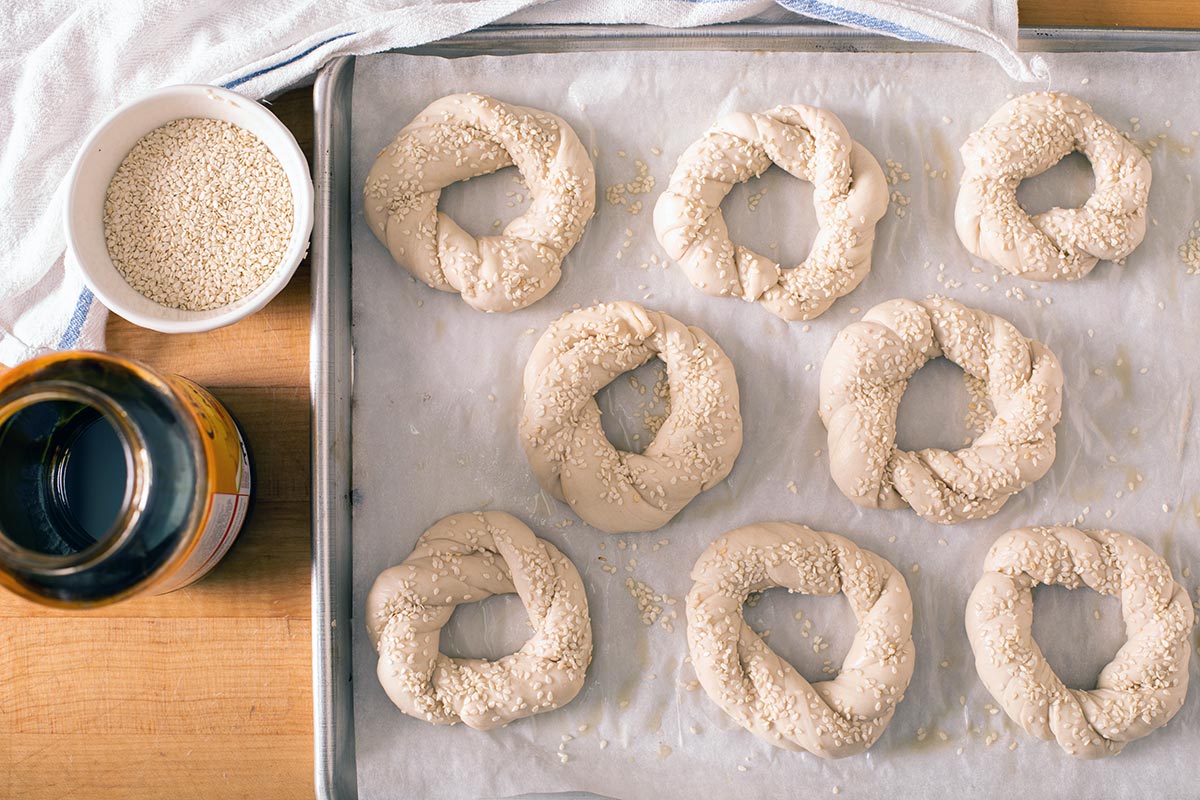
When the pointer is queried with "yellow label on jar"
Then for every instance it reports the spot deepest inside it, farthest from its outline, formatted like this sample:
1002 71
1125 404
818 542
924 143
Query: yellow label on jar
222 441
228 481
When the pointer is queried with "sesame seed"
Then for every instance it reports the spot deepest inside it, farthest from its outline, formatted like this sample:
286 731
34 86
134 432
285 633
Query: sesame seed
803 140
705 417
873 362
514 272
1145 678
724 649
484 695
198 214
1016 142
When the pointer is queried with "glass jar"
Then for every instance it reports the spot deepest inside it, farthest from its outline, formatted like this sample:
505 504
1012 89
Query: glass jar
115 480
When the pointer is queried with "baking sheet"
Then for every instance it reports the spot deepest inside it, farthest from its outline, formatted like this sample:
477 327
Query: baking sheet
437 393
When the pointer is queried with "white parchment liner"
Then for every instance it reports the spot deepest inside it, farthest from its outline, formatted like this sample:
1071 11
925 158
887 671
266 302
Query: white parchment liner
437 394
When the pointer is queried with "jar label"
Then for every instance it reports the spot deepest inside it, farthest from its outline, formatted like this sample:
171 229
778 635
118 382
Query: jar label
229 482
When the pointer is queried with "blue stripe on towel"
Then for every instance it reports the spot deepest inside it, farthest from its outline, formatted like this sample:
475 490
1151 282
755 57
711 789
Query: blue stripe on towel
842 16
83 305
297 57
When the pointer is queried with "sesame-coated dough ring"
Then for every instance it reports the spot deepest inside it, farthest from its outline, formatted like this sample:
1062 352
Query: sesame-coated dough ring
463 136
809 143
764 693
1139 691
864 377
610 489
466 558
1026 137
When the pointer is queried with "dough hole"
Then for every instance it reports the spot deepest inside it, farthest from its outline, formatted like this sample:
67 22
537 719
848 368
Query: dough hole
796 621
783 216
476 203
490 629
634 406
1077 659
934 409
1068 184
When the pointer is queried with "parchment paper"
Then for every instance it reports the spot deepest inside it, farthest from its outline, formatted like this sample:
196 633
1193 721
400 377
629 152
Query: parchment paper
437 394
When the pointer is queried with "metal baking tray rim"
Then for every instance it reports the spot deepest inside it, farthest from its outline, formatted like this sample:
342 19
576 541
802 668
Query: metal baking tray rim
331 349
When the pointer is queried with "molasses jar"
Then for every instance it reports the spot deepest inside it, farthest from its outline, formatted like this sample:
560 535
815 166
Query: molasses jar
115 480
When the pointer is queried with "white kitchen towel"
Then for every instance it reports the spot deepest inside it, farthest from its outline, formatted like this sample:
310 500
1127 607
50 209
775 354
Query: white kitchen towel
64 64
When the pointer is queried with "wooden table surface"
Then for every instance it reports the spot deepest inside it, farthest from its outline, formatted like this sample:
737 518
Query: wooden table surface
208 691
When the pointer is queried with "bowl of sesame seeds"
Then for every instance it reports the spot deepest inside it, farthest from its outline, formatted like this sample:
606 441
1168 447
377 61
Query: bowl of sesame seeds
188 209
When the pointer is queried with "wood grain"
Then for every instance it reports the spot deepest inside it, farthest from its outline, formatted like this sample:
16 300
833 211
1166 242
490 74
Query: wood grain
169 767
207 692
269 348
144 678
1112 13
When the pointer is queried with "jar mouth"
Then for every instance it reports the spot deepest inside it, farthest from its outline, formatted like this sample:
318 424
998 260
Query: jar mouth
75 552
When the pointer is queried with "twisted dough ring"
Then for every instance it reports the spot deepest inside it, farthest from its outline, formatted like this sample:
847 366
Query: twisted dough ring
1026 137
463 136
809 143
695 448
462 559
1140 689
760 690
864 377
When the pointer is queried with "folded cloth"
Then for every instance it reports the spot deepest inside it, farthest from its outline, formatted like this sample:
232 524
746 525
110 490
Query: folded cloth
64 65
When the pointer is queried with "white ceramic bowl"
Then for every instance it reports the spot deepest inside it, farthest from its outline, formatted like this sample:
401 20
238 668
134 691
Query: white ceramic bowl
103 152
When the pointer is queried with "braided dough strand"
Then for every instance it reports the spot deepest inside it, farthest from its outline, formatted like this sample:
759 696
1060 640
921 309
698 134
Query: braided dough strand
863 379
466 558
695 448
809 143
760 690
460 137
1139 691
1026 137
